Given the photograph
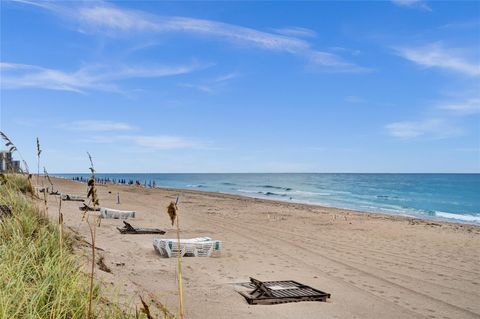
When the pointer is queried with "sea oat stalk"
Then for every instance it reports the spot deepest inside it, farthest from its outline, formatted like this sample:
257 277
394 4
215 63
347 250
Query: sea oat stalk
39 151
60 223
172 211
45 203
92 195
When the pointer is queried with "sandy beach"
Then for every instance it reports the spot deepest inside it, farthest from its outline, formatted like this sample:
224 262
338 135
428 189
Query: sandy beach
374 266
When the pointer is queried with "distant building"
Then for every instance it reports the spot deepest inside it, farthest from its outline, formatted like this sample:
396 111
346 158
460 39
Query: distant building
7 164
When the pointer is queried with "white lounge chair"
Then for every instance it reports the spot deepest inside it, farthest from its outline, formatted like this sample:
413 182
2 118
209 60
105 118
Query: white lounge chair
115 213
194 247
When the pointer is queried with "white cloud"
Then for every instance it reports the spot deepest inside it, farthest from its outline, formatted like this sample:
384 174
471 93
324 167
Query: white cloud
226 77
109 18
41 4
412 3
461 25
345 50
466 107
200 87
164 142
446 124
296 32
95 125
101 78
434 128
333 61
115 21
150 142
212 85
437 56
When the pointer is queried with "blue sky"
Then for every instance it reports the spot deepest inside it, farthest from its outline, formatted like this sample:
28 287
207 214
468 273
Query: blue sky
244 86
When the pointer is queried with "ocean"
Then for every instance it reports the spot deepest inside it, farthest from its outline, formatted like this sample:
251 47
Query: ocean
452 197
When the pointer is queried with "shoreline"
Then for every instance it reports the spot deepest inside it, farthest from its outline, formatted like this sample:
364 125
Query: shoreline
340 209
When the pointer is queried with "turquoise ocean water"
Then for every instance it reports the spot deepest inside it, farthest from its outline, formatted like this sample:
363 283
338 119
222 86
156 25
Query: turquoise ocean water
453 197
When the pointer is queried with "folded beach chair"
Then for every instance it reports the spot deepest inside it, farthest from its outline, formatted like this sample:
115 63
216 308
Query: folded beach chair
194 247
168 248
205 249
66 197
115 213
129 229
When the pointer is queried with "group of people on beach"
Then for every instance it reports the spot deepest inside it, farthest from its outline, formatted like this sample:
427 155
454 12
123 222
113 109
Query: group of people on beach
107 180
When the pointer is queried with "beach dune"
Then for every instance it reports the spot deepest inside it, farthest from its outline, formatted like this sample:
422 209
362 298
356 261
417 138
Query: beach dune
374 266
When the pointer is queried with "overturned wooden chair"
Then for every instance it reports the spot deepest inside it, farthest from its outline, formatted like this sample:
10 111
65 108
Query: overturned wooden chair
86 208
75 198
277 292
129 229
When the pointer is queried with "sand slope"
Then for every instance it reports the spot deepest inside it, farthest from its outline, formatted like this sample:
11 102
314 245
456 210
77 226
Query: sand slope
374 266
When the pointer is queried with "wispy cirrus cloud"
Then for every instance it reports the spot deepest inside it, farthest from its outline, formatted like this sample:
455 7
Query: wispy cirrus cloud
212 85
97 126
105 18
447 122
164 142
93 77
436 128
463 107
438 56
296 32
151 142
420 4
461 25
119 133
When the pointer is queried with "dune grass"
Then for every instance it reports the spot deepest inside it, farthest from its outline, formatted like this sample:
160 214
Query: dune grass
16 183
38 279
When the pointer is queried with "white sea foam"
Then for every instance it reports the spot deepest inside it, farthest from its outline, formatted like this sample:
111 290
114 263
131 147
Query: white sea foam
305 193
466 218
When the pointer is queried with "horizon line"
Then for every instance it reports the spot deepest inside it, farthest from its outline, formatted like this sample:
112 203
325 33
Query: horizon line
412 173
